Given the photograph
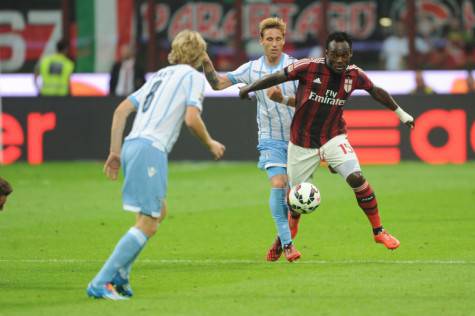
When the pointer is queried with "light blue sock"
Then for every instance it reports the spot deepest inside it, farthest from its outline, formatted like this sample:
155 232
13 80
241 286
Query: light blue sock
124 253
124 272
279 214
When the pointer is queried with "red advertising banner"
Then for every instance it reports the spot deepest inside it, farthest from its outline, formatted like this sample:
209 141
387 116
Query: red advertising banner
45 129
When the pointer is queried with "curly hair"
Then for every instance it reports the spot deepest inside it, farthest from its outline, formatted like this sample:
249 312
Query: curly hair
338 37
5 187
188 47
272 23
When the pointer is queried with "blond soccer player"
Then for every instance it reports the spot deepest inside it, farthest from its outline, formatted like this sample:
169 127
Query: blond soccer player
273 120
172 96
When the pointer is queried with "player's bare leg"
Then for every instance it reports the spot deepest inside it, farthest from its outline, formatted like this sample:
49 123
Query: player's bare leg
368 203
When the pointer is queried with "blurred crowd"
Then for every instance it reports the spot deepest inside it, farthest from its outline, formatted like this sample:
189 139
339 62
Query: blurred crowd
450 47
437 47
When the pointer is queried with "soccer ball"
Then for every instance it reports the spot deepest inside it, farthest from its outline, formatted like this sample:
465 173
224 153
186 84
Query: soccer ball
304 198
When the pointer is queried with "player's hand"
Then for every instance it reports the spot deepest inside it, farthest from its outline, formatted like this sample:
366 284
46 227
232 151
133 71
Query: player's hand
244 92
216 149
112 166
405 117
407 120
275 94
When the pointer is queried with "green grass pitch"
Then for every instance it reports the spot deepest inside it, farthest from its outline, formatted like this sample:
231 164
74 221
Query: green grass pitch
208 257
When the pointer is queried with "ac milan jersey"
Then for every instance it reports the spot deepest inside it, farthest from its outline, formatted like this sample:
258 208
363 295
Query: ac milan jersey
321 95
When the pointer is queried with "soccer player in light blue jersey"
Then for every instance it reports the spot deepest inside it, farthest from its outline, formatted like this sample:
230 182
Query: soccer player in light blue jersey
172 95
273 120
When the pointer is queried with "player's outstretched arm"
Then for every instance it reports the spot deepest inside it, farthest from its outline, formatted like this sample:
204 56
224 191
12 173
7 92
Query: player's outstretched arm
266 82
275 94
195 123
216 81
112 165
383 97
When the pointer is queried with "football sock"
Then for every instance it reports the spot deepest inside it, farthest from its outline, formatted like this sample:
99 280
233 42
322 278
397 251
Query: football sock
278 208
128 267
124 272
368 203
378 230
124 254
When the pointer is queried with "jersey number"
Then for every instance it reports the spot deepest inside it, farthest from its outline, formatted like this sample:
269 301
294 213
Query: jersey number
346 148
150 95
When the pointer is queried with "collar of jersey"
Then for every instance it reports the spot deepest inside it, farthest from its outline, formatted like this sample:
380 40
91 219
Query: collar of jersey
272 68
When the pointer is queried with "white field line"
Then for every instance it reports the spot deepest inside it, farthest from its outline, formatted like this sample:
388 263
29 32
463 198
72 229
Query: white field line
243 261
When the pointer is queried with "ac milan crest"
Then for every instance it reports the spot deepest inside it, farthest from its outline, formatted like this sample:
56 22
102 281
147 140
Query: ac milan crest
348 85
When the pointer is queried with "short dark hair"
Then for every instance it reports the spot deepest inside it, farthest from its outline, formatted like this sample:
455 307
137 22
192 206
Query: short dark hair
338 37
5 187
62 45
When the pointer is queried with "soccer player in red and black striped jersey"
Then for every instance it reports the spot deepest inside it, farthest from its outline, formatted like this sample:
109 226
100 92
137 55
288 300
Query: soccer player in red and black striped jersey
318 130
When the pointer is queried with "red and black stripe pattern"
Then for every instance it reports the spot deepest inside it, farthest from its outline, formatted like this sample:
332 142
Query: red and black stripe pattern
320 97
368 203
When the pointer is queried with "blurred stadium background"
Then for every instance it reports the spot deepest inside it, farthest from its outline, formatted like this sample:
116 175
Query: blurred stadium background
423 177
435 37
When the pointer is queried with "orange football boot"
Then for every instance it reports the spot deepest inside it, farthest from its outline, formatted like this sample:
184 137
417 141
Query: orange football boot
275 251
291 253
387 240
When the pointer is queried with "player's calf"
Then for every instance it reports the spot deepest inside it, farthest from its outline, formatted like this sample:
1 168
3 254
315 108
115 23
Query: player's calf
294 219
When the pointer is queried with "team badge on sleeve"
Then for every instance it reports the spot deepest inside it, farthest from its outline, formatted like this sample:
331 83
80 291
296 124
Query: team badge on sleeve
348 85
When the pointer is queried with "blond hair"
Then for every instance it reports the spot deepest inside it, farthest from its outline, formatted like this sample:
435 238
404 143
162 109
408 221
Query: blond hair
272 23
188 47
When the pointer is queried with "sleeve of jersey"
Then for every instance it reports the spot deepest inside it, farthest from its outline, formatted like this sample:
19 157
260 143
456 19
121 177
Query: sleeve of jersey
195 87
363 82
240 75
138 96
297 69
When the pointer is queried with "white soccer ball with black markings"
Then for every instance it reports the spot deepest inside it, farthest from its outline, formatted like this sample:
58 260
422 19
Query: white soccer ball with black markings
304 198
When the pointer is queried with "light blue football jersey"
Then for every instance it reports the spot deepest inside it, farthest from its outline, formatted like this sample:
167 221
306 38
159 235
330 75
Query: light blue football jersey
161 104
273 119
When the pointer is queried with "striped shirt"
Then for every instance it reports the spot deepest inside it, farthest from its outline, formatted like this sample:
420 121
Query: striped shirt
321 95
273 119
161 104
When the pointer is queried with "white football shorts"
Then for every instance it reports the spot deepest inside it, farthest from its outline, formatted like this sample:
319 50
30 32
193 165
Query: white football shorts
337 152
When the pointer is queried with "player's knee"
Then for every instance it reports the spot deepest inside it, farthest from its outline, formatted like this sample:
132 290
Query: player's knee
147 224
355 179
163 212
279 182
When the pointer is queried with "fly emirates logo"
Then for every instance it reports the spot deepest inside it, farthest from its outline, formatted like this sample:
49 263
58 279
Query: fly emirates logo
329 98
